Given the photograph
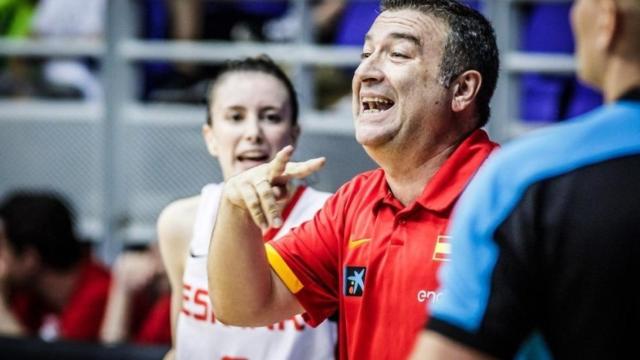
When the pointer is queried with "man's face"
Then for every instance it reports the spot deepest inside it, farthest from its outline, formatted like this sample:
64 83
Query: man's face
8 259
397 97
584 14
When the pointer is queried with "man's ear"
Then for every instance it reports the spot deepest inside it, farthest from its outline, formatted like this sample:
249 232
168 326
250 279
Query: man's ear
209 139
465 89
608 23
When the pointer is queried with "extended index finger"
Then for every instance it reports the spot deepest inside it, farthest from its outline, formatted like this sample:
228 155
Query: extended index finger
303 169
278 165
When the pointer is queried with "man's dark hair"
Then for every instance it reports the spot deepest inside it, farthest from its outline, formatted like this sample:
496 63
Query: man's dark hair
262 64
41 220
470 45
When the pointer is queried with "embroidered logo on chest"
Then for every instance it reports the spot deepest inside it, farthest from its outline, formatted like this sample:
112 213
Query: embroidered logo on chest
356 243
354 280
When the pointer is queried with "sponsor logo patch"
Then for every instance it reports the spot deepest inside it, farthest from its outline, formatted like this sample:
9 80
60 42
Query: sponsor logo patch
354 280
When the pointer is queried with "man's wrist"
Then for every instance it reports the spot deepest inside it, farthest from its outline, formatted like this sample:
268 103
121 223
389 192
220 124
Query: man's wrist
120 288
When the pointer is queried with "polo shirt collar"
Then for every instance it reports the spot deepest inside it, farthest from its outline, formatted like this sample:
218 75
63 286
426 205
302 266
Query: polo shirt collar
447 184
632 94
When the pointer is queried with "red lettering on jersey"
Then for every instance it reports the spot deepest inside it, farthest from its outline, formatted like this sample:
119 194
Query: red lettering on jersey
298 325
233 358
186 289
204 304
195 304
276 326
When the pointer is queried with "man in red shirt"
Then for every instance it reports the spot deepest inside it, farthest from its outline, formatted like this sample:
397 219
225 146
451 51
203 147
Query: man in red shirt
420 96
48 285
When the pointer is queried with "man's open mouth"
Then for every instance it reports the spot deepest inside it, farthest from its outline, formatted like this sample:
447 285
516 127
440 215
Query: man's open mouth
371 105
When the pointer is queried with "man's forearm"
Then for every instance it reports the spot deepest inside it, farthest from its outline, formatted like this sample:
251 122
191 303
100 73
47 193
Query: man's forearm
239 274
243 289
115 325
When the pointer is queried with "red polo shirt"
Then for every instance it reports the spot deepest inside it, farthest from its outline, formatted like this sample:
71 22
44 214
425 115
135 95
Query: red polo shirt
81 317
374 260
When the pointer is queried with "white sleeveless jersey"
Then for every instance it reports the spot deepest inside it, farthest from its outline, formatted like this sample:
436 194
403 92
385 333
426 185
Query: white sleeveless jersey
200 336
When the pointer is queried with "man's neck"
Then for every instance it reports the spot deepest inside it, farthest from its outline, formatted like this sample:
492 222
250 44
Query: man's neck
408 172
621 76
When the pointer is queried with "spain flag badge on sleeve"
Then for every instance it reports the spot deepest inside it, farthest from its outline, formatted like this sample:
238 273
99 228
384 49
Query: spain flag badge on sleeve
442 250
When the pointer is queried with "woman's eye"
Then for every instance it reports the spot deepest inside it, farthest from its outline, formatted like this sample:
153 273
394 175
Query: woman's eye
236 117
274 118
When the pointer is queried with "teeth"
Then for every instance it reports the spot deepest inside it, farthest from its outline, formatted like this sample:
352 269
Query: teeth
375 104
376 99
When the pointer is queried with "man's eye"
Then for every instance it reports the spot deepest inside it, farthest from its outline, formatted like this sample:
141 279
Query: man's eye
365 55
399 55
236 117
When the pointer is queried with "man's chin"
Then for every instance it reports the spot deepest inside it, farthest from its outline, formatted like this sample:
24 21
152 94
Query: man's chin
371 140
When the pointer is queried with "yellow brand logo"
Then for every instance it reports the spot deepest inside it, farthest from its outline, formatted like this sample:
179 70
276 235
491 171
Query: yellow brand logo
357 243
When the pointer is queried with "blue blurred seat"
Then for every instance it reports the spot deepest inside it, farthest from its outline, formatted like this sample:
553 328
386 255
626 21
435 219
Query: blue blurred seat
156 27
474 4
584 99
356 19
267 9
545 30
541 97
550 97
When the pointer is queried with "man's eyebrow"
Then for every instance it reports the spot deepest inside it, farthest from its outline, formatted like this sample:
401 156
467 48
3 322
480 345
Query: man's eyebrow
400 36
405 36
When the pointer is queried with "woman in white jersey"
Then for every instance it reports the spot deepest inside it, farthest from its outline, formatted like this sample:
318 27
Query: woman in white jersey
251 114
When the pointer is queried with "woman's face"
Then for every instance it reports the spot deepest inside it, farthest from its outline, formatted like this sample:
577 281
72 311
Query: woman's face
251 121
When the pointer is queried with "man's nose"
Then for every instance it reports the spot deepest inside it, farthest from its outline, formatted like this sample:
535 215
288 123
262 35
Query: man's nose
369 70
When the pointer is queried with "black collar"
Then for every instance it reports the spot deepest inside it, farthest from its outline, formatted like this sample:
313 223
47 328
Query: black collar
632 95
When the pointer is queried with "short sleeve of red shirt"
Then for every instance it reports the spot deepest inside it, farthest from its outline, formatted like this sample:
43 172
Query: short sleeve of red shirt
307 259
